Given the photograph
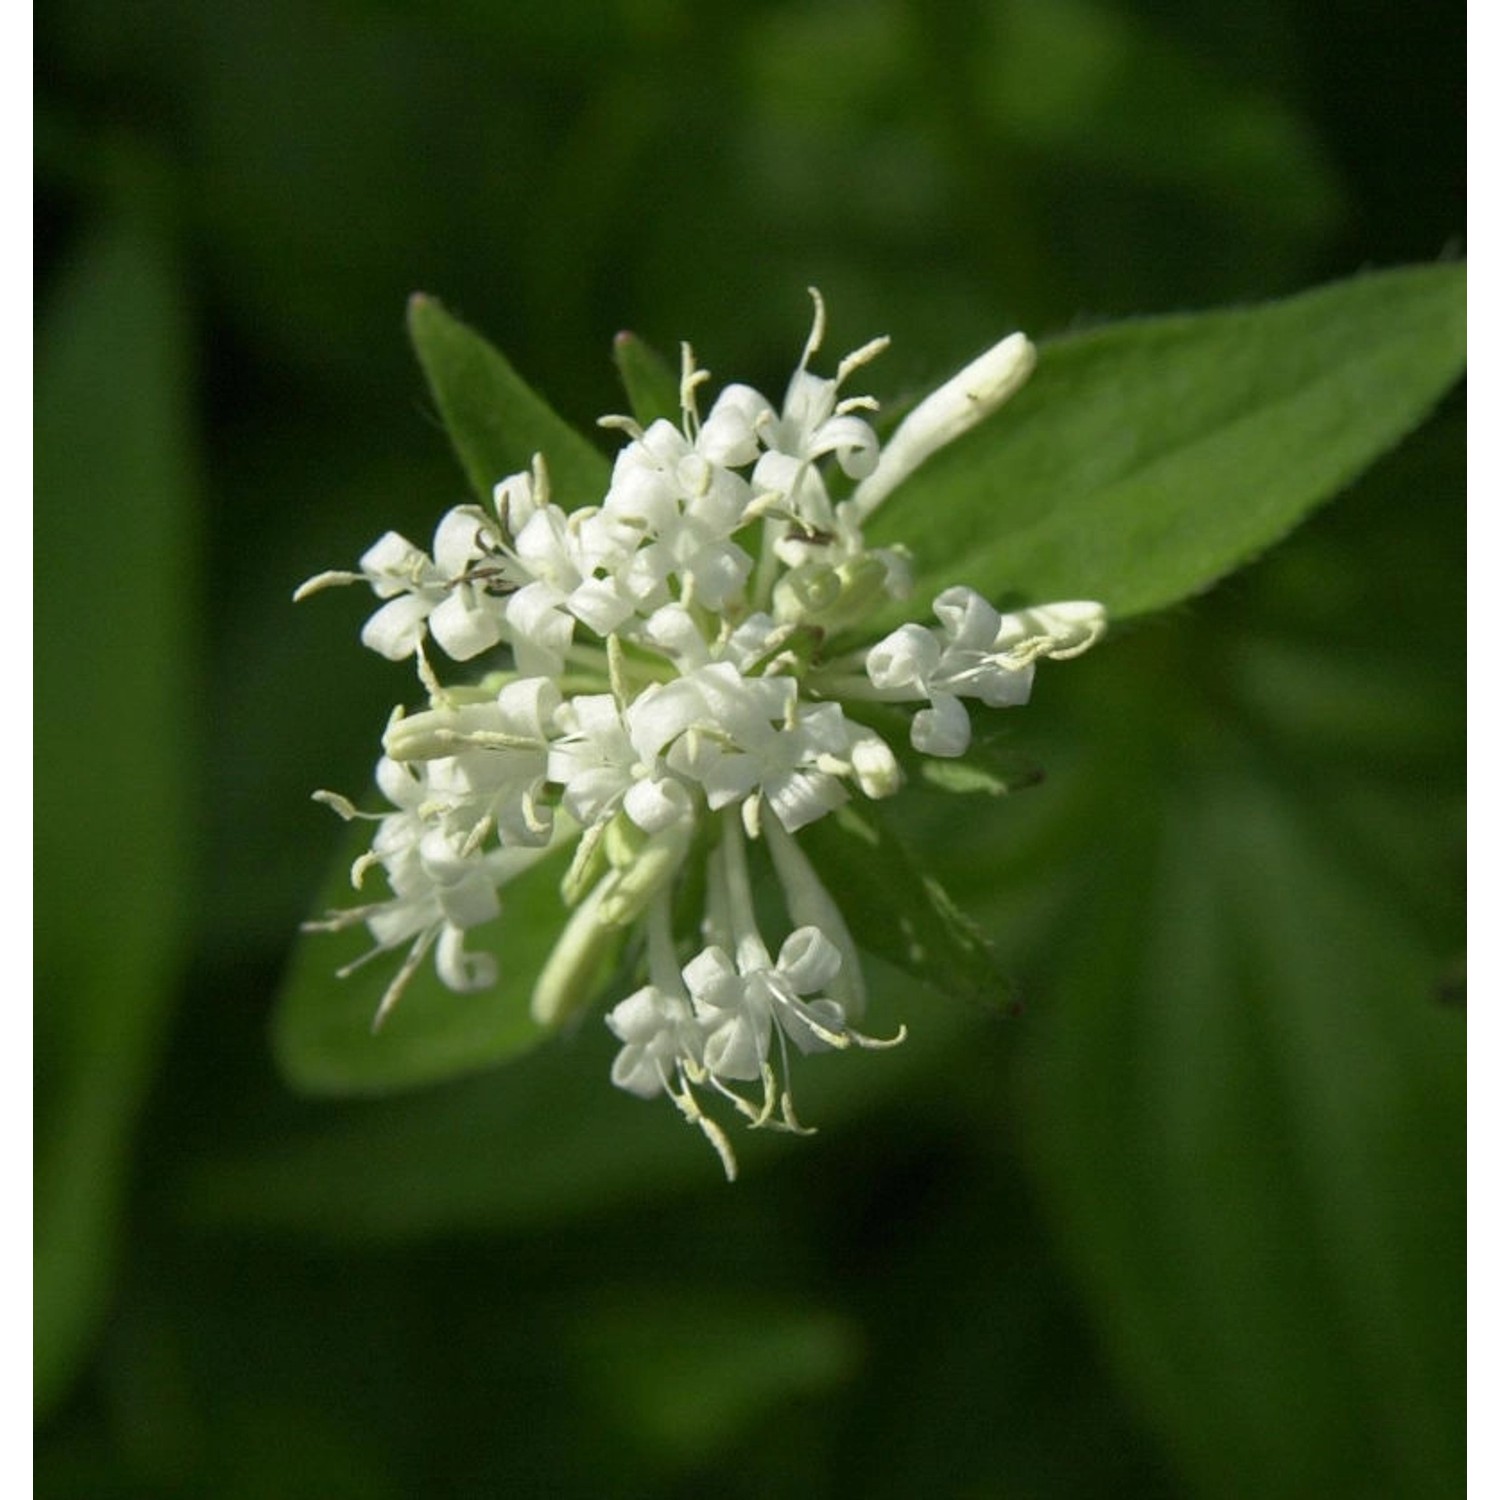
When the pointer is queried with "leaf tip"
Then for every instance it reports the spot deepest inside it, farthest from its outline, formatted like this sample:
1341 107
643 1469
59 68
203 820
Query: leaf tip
419 306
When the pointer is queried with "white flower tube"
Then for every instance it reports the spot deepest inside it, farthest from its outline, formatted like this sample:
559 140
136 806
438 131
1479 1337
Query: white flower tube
949 412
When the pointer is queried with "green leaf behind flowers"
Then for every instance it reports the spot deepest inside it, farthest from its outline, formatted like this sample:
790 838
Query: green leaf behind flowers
1147 459
650 382
899 910
494 419
322 1032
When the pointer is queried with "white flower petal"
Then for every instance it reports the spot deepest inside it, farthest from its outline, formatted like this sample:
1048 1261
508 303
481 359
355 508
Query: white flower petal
654 805
396 628
906 658
729 435
942 729
969 620
712 980
1000 687
466 623
392 563
808 961
459 540
803 797
460 971
528 704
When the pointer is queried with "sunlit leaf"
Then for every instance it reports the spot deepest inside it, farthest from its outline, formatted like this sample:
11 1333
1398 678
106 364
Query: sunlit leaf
1145 460
495 420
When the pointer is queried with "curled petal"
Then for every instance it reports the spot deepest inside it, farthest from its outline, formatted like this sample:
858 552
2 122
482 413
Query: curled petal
460 971
459 541
396 628
906 658
853 440
808 961
465 623
730 433
393 564
529 704
942 729
969 619
654 805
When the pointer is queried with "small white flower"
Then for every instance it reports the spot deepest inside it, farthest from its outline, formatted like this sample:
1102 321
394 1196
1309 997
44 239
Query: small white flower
686 506
448 596
662 1036
606 760
744 1005
486 762
574 569
437 894
814 423
980 654
753 738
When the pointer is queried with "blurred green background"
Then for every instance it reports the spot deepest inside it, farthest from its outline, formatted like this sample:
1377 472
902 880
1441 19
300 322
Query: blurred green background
1190 1224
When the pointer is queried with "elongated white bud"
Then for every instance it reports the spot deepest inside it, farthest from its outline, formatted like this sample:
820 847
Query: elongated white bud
949 412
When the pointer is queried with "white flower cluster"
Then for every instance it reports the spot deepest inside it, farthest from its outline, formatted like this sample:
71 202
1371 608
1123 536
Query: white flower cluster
678 669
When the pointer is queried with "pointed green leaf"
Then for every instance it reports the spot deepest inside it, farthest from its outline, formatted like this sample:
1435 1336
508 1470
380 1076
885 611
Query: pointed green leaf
494 419
1147 459
322 1031
115 698
650 382
900 911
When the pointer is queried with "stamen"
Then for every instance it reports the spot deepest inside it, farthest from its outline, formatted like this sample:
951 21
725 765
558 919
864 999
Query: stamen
716 1137
397 987
427 676
342 806
861 356
628 425
819 327
324 581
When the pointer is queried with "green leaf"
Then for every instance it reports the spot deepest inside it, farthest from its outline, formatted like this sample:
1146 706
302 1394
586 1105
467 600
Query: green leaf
494 419
900 911
546 1144
1248 1117
650 382
322 1029
115 740
1146 460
